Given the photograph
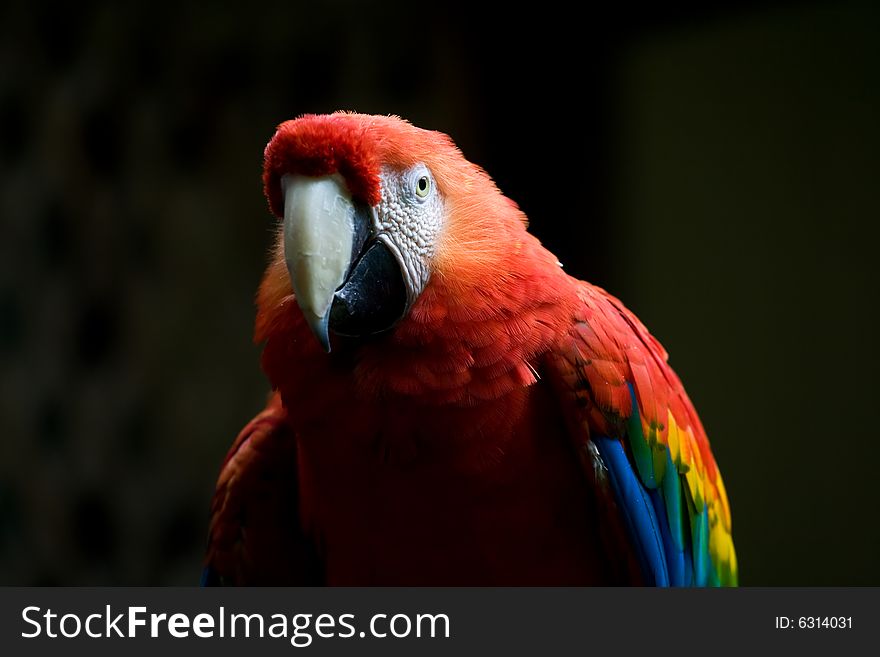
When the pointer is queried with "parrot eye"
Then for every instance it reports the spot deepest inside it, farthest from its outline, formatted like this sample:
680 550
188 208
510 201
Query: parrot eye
423 186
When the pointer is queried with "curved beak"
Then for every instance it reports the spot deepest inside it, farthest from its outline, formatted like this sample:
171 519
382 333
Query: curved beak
319 233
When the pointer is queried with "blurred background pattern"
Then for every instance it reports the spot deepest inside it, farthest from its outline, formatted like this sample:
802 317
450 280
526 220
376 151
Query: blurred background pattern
716 169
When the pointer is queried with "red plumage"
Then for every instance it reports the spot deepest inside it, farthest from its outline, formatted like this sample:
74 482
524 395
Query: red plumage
449 450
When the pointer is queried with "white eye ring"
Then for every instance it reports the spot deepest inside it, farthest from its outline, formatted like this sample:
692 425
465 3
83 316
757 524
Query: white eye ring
423 186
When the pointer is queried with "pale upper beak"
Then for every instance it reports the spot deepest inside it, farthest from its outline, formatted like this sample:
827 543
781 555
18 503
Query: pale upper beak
319 233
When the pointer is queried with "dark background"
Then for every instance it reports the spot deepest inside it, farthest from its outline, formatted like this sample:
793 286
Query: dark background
716 169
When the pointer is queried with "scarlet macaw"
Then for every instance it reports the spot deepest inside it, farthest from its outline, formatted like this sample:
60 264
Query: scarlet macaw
450 407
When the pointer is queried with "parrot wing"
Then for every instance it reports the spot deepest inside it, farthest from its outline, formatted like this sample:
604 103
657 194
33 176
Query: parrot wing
642 446
255 536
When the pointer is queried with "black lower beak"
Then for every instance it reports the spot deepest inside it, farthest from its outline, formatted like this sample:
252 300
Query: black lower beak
373 297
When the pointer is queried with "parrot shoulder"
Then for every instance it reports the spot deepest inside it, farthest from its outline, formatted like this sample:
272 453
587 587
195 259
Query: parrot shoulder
255 536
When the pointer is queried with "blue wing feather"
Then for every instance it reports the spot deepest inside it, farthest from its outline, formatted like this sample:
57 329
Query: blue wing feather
675 562
638 510
210 577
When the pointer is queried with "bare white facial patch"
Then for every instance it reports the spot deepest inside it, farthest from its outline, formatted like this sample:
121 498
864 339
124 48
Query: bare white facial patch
408 220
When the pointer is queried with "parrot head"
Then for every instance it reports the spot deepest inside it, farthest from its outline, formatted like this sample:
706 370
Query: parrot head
371 210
